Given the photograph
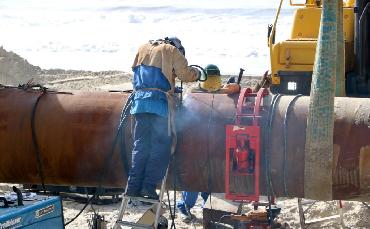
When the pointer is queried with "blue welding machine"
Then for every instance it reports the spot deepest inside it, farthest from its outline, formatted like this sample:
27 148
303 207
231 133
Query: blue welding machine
42 213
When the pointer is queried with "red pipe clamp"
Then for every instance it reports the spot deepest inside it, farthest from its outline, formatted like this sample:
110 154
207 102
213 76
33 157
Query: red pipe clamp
243 146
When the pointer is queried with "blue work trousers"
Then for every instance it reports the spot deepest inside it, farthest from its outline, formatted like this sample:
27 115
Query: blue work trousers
151 151
189 199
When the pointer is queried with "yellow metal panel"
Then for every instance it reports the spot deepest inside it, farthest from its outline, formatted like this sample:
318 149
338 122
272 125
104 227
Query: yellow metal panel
306 23
302 55
348 24
297 53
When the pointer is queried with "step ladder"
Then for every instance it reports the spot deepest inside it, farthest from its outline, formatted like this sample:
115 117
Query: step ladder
125 201
308 223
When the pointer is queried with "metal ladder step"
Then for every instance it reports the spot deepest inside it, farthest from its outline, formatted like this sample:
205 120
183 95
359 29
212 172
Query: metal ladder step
125 201
134 225
320 220
143 199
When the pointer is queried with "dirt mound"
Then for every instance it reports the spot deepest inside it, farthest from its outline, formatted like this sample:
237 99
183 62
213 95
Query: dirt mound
14 69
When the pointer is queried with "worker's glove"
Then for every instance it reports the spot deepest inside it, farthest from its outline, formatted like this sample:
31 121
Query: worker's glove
230 88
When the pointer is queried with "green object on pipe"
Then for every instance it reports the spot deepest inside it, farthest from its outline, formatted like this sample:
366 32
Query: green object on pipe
320 120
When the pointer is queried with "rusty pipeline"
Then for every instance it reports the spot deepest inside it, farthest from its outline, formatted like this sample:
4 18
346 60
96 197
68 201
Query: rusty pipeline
74 133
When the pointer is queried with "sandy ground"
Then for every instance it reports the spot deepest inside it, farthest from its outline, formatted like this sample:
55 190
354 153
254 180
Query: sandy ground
14 70
355 214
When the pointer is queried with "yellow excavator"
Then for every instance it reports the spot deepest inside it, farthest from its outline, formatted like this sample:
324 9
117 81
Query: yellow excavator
292 59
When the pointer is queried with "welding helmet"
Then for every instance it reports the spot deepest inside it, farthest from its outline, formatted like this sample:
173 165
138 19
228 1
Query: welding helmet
213 82
177 43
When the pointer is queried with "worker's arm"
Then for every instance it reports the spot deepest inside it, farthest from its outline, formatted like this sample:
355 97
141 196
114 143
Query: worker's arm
182 70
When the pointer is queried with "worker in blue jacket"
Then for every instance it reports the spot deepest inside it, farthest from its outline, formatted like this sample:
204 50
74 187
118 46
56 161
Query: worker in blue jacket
156 65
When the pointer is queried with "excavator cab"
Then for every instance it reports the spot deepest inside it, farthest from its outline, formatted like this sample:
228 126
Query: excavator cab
292 59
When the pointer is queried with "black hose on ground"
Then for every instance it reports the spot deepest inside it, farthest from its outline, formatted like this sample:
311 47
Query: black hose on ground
79 213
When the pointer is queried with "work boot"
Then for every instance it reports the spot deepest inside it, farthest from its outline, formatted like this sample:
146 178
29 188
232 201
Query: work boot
131 193
186 216
149 194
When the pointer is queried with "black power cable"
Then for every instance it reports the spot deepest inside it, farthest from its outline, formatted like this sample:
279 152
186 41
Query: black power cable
36 146
286 117
208 162
35 142
172 213
267 152
173 225
123 117
79 213
203 70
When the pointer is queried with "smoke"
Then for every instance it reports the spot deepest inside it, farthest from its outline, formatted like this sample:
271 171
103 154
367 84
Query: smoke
186 113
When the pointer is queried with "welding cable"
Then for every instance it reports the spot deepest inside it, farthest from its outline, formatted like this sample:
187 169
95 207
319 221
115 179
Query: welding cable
123 117
181 93
285 133
271 116
34 137
267 140
173 225
121 132
172 213
203 70
176 170
220 220
91 203
124 158
266 144
264 147
208 163
82 209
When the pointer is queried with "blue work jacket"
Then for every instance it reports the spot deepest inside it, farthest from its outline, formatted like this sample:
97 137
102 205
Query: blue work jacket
149 101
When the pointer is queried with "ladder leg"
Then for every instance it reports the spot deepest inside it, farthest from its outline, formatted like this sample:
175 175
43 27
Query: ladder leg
341 213
301 214
122 208
159 206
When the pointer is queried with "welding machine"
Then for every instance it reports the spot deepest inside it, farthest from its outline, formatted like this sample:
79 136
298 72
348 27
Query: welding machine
42 212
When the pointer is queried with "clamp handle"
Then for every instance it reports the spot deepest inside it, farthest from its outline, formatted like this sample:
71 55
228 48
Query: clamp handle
240 110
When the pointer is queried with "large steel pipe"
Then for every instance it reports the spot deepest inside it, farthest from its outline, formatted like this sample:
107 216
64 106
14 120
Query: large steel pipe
74 134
